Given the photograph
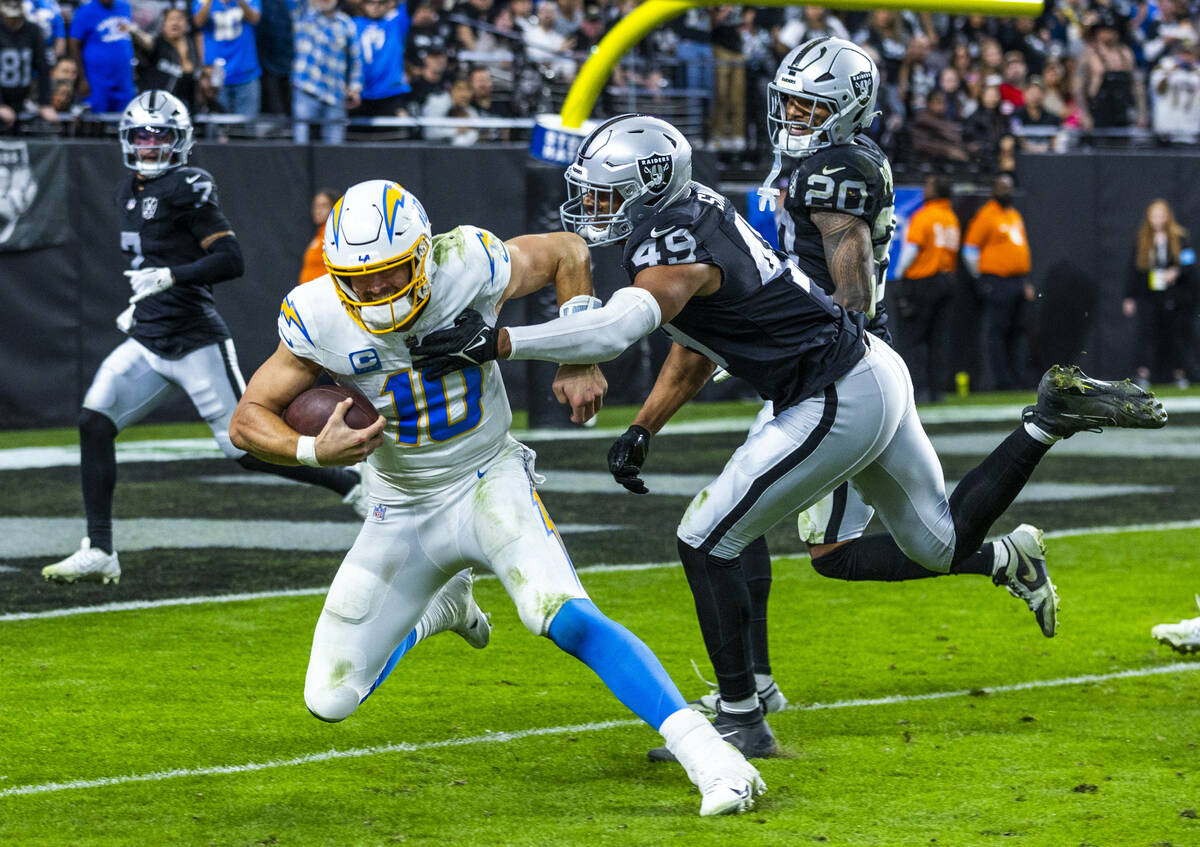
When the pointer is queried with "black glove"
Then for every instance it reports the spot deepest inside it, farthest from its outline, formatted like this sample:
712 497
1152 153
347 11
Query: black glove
626 456
469 342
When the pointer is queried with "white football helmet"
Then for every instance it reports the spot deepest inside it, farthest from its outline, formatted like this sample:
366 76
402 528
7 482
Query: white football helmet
627 169
375 226
156 133
826 72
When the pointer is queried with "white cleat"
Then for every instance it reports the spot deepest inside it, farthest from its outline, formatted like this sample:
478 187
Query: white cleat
730 790
728 783
85 564
464 615
1183 637
357 498
1026 577
771 698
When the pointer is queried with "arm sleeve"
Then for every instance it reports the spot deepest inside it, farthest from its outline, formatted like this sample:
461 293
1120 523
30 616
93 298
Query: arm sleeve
222 262
596 335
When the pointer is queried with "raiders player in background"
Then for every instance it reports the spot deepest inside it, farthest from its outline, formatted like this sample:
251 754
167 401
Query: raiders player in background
179 245
842 399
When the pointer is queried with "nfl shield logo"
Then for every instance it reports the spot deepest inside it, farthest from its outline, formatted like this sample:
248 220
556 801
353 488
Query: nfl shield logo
861 82
655 172
379 512
149 207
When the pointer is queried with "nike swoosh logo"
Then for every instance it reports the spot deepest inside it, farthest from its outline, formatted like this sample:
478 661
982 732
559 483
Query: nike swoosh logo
190 179
1030 574
480 474
828 170
655 233
727 734
744 793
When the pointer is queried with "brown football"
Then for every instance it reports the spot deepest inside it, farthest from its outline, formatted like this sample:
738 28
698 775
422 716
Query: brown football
308 413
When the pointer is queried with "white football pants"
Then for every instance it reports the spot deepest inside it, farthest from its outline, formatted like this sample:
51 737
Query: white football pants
404 554
863 428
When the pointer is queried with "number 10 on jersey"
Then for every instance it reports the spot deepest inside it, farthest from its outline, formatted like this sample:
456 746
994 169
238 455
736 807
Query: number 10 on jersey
438 409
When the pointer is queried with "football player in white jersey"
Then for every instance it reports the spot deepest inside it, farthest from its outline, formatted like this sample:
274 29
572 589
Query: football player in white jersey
449 487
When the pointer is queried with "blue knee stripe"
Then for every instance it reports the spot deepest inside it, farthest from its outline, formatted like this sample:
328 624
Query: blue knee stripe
627 666
405 646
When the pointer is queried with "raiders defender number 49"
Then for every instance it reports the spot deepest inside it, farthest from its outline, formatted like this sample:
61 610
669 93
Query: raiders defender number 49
179 245
842 401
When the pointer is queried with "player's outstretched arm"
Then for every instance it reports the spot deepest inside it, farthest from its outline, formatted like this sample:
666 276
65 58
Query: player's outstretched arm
258 427
683 373
561 258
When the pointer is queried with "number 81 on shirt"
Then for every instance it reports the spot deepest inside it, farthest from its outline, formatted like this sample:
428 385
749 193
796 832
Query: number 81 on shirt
436 409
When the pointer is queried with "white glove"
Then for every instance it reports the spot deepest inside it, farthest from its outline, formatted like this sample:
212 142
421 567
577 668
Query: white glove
149 281
125 320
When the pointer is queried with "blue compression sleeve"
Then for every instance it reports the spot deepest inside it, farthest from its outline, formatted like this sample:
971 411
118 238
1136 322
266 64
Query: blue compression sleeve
405 646
627 666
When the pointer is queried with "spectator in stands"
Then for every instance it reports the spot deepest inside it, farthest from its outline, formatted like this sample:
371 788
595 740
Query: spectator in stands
327 73
430 77
485 104
313 265
64 78
1013 82
918 73
985 127
228 30
101 45
1162 289
952 87
991 58
523 16
1171 30
727 117
544 43
570 16
996 253
274 39
47 14
1175 94
1033 41
426 32
813 22
693 51
382 32
588 34
1033 116
477 11
21 38
887 34
455 103
926 273
936 139
1107 87
1060 99
172 63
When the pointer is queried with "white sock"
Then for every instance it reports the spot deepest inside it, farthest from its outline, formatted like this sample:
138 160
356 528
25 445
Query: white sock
1000 555
741 707
1038 434
763 682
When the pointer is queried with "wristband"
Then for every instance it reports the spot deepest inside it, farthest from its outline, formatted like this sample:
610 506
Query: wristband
306 451
579 303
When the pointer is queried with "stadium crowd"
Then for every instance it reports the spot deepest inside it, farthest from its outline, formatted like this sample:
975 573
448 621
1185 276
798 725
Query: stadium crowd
956 88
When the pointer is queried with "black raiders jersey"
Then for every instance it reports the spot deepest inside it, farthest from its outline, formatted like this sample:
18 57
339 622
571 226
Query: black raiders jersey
766 323
852 179
163 222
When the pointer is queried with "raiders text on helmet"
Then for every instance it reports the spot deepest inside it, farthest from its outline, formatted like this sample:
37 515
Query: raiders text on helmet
627 169
834 83
156 133
377 225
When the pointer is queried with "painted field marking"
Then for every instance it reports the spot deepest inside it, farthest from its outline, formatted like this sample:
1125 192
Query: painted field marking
140 605
535 732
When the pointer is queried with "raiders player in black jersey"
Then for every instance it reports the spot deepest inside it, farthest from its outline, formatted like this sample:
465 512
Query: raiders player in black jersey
179 245
842 400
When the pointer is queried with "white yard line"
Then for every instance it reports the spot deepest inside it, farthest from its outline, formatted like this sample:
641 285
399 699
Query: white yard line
139 605
505 737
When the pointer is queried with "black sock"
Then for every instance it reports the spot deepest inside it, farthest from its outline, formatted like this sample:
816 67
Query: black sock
756 568
872 558
990 488
723 607
98 471
340 480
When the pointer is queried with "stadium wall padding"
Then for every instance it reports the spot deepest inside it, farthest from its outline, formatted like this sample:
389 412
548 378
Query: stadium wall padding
59 303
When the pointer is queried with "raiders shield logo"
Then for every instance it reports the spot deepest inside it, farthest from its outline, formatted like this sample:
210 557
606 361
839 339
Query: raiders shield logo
861 83
149 207
655 172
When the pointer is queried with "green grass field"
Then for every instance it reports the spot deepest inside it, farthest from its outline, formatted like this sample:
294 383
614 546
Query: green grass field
922 713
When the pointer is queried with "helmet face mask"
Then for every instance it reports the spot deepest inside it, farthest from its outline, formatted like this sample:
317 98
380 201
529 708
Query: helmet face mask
831 86
378 236
155 133
627 169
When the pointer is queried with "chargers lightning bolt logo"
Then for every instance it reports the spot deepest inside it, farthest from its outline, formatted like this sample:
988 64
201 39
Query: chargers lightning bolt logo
289 317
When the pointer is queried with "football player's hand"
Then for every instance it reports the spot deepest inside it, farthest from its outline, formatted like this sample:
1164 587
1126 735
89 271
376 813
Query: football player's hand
583 388
626 456
469 342
147 282
338 444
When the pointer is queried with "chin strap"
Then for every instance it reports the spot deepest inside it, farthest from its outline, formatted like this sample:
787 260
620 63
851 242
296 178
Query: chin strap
767 192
